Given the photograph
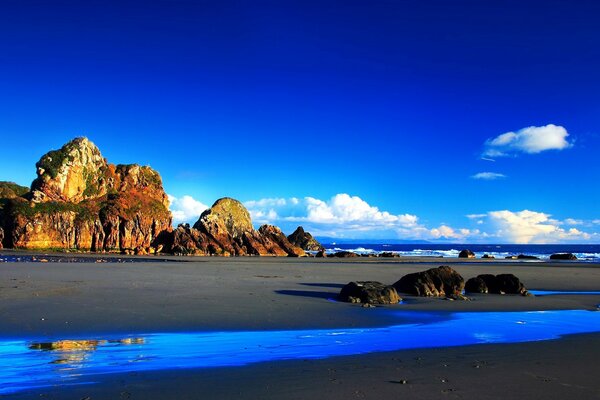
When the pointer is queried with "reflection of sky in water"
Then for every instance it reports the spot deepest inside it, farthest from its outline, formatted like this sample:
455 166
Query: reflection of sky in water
27 365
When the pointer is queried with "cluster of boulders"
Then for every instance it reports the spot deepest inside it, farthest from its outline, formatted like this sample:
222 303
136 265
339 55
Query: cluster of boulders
226 229
497 284
466 253
442 281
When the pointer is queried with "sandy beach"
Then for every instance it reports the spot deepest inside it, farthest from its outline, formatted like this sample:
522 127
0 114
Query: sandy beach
59 300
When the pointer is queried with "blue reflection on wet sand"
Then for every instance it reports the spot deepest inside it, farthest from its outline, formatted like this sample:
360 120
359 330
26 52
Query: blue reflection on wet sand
27 364
562 292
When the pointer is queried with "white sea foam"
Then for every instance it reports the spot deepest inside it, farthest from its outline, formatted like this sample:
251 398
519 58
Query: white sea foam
453 253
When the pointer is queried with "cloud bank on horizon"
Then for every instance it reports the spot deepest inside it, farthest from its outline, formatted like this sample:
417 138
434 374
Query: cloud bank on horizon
346 216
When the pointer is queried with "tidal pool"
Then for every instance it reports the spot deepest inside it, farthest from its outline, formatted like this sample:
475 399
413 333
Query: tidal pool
29 364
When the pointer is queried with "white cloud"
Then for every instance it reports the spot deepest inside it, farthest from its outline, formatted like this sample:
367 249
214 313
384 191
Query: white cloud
530 140
476 216
488 176
345 216
532 227
446 232
186 209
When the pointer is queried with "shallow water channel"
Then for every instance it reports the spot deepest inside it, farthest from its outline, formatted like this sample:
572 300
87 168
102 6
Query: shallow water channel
29 364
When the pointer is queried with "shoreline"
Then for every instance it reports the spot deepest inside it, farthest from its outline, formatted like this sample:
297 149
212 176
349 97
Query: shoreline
86 300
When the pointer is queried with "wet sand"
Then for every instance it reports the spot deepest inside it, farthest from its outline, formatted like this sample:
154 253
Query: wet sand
73 300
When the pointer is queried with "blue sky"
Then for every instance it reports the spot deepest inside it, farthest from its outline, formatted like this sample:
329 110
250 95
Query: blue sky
355 118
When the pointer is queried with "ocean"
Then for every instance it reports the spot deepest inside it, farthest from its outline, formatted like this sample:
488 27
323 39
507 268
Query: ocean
584 252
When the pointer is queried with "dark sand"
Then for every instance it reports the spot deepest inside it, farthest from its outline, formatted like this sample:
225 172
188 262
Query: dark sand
73 300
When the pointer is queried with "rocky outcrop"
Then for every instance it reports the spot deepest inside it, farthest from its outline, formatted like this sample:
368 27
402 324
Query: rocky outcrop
74 173
497 284
563 256
226 218
226 229
274 235
436 282
304 240
1 237
369 292
80 202
466 254
488 256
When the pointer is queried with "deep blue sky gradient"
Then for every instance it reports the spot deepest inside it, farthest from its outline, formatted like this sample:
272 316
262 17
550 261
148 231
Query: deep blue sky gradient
391 101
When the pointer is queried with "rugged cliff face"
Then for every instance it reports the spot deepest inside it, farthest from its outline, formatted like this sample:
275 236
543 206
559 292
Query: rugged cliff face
226 229
304 240
79 201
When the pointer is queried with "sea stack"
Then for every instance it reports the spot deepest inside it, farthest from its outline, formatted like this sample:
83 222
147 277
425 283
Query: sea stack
80 202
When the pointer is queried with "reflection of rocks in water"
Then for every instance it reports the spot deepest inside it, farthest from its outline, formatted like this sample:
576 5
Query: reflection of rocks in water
76 351
68 345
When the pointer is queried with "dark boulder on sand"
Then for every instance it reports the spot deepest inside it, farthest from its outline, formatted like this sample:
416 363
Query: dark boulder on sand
563 256
369 292
321 254
466 253
344 254
304 240
436 282
476 285
389 254
498 284
488 256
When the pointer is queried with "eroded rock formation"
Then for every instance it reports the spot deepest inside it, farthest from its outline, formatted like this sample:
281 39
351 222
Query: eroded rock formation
78 201
81 202
435 282
226 229
304 240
